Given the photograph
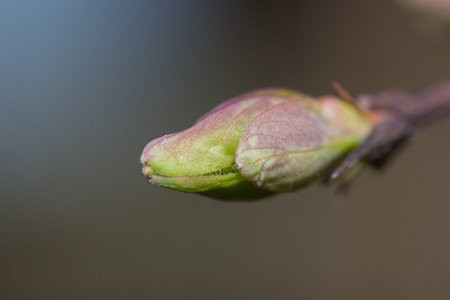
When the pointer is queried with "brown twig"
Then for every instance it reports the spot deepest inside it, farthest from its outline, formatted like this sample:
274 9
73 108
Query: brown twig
399 114
432 104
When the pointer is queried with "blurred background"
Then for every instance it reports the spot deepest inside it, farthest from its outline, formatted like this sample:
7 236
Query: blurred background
84 85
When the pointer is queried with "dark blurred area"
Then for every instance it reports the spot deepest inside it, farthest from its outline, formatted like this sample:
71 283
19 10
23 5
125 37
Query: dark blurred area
84 85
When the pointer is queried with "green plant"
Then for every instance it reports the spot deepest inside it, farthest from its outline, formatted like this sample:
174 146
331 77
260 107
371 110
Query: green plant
277 140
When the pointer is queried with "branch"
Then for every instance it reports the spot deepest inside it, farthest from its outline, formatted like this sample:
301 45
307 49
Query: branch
398 117
431 104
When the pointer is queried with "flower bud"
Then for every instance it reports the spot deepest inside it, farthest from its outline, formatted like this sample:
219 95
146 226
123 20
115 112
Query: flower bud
267 141
202 158
431 17
294 143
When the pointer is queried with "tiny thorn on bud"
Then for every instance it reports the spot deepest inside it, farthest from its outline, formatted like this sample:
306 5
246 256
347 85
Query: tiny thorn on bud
343 92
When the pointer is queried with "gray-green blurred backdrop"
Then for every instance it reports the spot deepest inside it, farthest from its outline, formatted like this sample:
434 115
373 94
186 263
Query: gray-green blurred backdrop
84 85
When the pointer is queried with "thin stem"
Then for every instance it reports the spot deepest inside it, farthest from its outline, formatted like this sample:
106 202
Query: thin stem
399 114
431 104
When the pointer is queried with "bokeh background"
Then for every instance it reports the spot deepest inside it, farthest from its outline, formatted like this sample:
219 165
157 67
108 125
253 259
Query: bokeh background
84 85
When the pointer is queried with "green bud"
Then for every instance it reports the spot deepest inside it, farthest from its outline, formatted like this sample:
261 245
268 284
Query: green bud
267 141
431 17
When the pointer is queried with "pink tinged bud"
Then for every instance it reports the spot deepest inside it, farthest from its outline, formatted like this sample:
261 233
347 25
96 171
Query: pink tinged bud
272 140
293 143
203 157
432 17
